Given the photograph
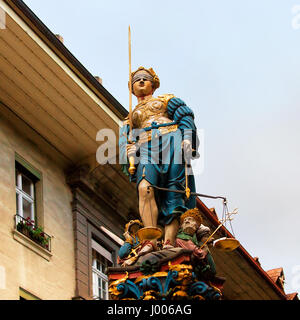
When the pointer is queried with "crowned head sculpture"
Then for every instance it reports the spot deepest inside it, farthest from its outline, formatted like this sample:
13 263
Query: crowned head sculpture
144 74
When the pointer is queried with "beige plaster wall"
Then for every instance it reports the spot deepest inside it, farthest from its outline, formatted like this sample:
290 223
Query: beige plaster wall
20 266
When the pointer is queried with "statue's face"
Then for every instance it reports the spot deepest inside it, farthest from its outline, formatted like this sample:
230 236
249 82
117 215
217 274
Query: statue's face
142 87
189 225
185 272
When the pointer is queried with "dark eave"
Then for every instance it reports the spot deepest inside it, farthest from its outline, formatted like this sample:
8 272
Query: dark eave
58 47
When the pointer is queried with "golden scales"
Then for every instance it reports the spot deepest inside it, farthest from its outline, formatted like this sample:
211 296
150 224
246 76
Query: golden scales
227 244
149 233
224 243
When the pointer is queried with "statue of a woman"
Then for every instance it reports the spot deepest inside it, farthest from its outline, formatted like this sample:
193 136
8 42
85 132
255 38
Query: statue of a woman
163 127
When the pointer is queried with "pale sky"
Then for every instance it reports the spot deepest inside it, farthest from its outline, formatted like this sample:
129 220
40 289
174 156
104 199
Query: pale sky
236 64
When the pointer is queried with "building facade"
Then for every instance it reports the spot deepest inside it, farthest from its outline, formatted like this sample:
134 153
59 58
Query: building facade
51 109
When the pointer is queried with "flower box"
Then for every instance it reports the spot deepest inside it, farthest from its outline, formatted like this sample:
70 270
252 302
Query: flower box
36 234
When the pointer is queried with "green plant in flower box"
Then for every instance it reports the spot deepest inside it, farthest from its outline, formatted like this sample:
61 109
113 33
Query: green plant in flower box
35 233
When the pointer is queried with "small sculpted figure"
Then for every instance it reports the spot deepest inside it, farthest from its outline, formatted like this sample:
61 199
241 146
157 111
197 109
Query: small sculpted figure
192 235
128 253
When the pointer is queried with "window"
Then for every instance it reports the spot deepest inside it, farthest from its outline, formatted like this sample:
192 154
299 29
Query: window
29 219
101 260
28 191
25 193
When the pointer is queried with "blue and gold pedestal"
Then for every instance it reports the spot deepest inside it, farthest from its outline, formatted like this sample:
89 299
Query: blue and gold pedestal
163 275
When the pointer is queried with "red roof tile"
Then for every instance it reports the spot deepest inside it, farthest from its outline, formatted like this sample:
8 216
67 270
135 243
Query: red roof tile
292 296
277 276
274 274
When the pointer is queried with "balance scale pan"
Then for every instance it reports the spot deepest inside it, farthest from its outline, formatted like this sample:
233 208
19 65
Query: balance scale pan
226 244
149 233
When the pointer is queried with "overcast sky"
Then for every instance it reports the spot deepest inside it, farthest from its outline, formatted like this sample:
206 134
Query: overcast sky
236 64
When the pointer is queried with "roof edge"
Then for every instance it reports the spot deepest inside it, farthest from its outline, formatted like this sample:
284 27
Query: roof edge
61 50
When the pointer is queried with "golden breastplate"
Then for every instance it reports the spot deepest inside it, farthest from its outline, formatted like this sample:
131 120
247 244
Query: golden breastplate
152 110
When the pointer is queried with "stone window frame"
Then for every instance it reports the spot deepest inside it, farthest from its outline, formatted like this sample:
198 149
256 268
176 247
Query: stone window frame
36 175
93 218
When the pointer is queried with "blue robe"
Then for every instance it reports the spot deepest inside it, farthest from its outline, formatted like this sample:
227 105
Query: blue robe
161 163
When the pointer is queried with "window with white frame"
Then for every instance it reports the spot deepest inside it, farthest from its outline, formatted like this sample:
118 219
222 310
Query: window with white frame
25 193
101 259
